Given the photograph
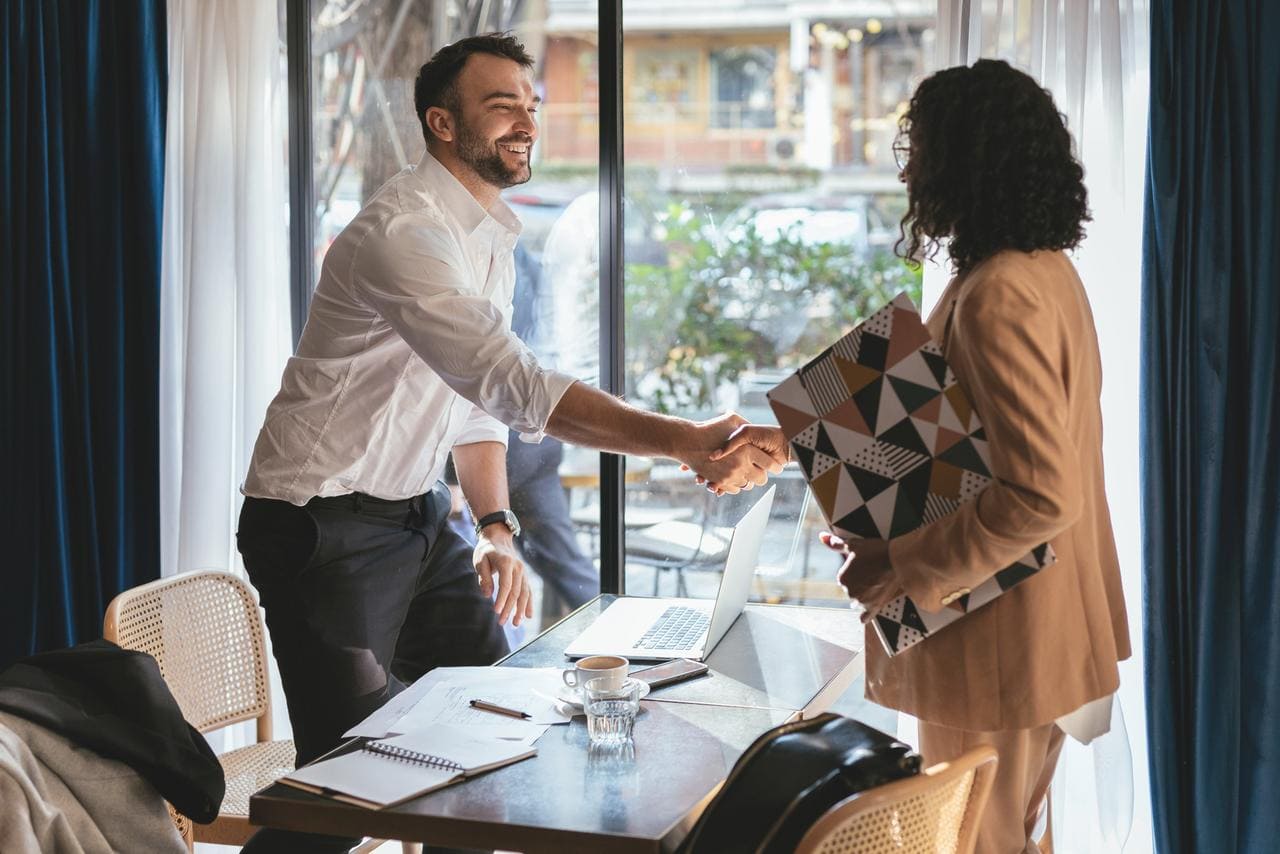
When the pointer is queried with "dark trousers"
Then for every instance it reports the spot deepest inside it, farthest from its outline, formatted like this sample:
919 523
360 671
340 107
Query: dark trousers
548 541
362 596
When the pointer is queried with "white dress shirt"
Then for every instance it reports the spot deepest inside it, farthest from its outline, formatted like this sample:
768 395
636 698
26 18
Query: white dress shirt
407 350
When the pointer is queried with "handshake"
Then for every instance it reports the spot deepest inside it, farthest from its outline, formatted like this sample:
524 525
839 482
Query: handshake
728 454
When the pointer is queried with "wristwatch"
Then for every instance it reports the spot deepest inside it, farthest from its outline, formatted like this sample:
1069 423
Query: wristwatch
506 517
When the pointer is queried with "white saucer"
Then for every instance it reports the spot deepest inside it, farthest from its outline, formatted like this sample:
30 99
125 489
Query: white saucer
570 698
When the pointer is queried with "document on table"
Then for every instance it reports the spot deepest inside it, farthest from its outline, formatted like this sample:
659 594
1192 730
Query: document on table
444 696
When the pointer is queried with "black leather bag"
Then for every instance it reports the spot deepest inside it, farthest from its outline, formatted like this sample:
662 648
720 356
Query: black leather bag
789 777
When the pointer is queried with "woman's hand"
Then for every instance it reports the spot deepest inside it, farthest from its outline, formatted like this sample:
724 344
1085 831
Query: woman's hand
866 574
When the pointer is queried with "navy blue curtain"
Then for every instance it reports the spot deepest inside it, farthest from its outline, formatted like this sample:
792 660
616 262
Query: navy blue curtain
82 84
1211 425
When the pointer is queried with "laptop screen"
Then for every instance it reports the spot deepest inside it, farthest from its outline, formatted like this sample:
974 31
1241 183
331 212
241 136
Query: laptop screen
739 569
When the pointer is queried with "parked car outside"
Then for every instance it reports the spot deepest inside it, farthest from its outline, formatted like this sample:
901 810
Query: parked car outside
855 220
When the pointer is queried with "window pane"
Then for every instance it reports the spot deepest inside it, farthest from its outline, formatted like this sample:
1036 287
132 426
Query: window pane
762 205
366 54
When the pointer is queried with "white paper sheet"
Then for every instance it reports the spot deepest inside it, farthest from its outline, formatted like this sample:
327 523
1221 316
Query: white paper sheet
443 696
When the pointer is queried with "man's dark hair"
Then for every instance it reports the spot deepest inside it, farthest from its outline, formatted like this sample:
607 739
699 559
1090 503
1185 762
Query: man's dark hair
989 166
437 83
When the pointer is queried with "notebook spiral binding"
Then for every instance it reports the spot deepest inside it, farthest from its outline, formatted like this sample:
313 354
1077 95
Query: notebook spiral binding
404 755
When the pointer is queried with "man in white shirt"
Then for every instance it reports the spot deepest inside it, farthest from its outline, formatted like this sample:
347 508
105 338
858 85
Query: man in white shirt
407 355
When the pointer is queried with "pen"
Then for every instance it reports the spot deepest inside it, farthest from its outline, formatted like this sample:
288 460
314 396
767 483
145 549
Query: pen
486 706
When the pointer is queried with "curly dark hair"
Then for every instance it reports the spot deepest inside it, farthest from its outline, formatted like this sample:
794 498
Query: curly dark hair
436 85
988 167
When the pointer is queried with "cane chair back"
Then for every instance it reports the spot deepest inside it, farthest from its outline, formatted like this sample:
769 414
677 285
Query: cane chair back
934 812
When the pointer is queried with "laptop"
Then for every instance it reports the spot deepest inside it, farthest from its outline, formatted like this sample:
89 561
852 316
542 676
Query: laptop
645 628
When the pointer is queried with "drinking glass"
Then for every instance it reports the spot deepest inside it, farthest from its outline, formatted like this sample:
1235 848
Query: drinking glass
611 709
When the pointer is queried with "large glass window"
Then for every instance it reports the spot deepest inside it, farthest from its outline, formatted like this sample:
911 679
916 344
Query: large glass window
761 206
759 228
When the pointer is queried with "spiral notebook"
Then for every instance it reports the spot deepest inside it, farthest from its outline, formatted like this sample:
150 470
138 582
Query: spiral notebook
392 770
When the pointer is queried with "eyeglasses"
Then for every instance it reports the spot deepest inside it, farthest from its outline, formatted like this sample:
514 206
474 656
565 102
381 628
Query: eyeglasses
901 152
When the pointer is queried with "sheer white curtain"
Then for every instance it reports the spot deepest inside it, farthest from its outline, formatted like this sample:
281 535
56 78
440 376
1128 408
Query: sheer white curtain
1093 56
225 322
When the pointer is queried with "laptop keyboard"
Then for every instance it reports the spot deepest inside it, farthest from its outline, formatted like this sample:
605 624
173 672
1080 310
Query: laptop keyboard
677 628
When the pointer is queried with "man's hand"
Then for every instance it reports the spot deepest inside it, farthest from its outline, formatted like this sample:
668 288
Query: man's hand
747 467
866 574
496 555
754 437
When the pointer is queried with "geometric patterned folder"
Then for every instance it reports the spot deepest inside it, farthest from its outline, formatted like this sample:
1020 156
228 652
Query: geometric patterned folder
889 442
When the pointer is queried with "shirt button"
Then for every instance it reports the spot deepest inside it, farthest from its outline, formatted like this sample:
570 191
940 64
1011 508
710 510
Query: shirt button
951 597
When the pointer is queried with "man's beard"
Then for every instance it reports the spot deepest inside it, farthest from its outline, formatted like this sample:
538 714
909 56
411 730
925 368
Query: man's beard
483 157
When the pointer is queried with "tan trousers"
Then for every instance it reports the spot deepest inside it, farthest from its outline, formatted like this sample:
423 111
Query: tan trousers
1027 760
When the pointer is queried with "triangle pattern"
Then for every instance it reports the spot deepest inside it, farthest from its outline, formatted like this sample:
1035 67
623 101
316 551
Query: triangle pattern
807 437
946 439
912 367
889 631
906 512
960 404
869 483
928 431
791 392
912 395
908 336
856 376
936 365
880 323
873 351
846 415
805 456
825 487
963 455
823 463
823 444
947 415
852 446
791 420
882 507
913 492
891 409
847 495
931 410
868 402
858 523
911 617
904 435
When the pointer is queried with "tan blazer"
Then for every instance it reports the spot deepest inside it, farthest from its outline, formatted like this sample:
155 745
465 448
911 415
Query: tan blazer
1019 335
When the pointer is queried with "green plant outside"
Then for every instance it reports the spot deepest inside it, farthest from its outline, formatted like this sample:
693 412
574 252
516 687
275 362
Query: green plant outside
718 308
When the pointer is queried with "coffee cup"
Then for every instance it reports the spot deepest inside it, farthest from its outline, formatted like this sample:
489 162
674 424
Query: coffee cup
612 668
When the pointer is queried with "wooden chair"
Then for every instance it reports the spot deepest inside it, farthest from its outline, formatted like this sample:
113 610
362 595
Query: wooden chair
934 812
204 631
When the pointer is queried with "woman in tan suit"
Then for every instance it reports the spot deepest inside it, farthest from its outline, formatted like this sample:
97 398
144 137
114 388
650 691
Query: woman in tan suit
990 175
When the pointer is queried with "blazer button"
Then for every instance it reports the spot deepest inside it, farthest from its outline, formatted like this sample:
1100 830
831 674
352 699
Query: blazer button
951 597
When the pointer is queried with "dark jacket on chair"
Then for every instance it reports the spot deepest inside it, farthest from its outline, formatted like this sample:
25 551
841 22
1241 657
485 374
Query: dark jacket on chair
115 702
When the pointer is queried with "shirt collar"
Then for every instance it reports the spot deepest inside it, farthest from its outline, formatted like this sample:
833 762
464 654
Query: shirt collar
459 201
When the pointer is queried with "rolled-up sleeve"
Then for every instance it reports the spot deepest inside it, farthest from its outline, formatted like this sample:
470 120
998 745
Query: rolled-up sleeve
410 273
1010 357
481 427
